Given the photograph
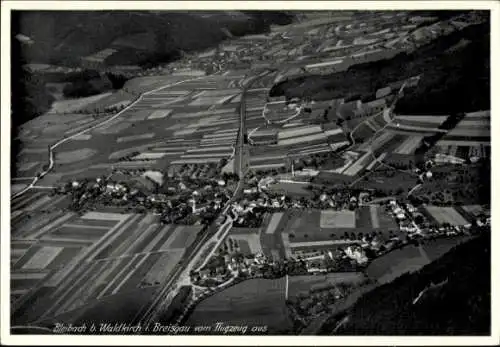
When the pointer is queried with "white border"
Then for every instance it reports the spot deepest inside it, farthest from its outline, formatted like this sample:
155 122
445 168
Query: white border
6 338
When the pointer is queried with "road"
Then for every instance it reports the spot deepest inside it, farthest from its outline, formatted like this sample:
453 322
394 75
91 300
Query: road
214 235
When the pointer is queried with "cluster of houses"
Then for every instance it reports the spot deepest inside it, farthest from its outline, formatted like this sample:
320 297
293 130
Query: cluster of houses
175 200
230 266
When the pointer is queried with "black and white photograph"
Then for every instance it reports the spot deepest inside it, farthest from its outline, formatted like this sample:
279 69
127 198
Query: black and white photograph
198 171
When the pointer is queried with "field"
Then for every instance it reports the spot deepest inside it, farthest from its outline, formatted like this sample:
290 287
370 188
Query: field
409 258
337 219
253 302
74 105
306 283
71 261
446 215
159 130
301 232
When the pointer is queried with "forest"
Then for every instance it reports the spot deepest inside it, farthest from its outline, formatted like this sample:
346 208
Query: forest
457 302
454 69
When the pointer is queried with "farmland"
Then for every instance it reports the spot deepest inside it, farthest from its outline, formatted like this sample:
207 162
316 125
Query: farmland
409 259
63 262
143 179
253 302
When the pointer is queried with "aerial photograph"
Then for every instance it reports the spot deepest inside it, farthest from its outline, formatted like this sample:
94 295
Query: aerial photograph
250 172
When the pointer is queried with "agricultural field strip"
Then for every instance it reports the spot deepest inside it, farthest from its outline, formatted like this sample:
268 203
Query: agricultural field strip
135 138
446 215
374 216
337 219
423 119
63 293
463 143
416 128
376 161
357 165
51 226
21 202
28 166
274 222
153 155
378 142
117 288
409 145
35 205
321 243
69 272
470 132
163 267
42 258
283 134
297 140
209 149
127 246
78 296
267 166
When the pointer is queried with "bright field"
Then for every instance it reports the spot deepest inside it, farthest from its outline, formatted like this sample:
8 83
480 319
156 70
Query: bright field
337 219
253 302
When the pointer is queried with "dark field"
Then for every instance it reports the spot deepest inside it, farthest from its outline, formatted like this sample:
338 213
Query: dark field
253 302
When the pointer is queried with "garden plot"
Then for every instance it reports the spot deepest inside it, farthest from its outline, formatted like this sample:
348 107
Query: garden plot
337 219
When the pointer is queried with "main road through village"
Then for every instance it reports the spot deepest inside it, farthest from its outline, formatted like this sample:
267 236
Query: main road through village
212 237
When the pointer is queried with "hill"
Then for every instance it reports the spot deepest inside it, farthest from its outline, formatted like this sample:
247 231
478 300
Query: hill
138 37
450 296
455 76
